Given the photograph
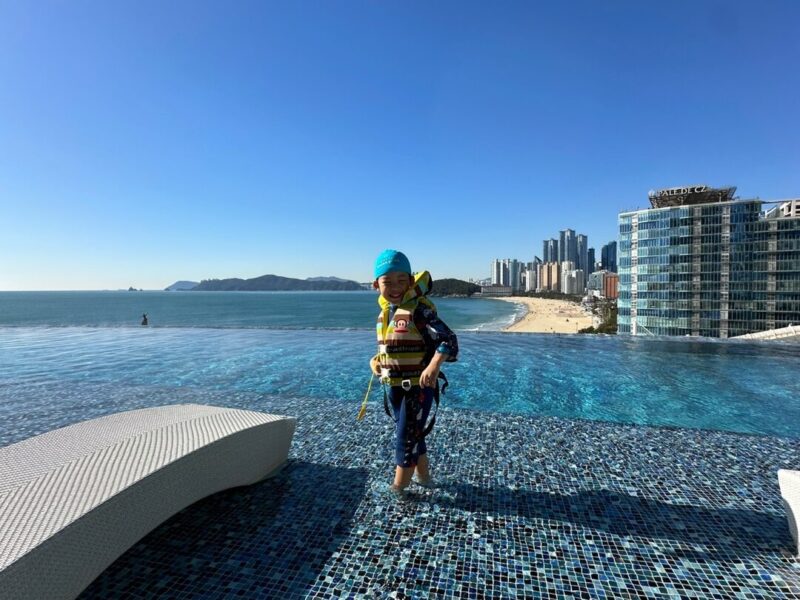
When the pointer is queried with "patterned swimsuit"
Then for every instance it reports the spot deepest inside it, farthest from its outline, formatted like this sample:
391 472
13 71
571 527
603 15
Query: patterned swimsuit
411 408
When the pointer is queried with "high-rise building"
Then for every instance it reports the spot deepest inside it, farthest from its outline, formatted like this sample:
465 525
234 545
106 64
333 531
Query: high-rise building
701 262
531 277
568 246
507 272
500 271
514 274
497 271
582 259
566 267
590 266
550 250
594 283
608 257
573 280
603 284
611 286
548 277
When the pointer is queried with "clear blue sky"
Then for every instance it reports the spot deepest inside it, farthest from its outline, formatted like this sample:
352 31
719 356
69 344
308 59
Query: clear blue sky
145 142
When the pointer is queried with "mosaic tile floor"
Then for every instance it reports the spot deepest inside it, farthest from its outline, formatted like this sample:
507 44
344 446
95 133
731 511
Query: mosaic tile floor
528 507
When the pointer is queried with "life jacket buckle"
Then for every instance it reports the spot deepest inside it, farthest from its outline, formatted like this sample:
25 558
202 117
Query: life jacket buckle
405 384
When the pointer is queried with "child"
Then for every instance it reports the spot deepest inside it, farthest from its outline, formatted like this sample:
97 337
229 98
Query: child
413 342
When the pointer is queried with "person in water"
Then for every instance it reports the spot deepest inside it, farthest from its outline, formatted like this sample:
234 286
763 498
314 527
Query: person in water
413 343
144 319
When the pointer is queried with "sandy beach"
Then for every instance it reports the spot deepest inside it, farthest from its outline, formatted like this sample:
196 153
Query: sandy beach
548 316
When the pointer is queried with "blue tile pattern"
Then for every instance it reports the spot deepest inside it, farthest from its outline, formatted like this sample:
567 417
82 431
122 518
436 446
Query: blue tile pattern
533 507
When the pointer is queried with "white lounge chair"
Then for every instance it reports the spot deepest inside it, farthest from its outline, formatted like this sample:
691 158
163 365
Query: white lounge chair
74 499
789 482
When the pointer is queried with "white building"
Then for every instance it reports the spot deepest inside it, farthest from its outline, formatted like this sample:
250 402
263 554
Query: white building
573 281
531 278
507 272
498 272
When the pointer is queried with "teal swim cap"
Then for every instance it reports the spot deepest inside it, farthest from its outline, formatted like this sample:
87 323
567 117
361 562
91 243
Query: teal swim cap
391 260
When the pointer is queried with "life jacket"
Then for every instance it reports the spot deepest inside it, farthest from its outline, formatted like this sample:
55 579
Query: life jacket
402 354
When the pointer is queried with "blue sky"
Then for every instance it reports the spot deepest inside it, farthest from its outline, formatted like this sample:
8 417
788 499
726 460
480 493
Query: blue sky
145 142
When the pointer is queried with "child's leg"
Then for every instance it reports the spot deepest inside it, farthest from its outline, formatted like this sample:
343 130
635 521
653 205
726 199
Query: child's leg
423 470
423 467
403 414
411 412
402 476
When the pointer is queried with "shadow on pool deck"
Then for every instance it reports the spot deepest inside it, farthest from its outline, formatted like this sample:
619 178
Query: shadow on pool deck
271 539
710 534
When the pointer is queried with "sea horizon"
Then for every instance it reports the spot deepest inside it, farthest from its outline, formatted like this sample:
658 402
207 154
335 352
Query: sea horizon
352 309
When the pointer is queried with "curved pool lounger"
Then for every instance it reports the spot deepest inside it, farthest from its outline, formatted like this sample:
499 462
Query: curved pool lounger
789 482
73 500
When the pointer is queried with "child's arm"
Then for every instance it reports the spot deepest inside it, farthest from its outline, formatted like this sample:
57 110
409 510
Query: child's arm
435 331
429 376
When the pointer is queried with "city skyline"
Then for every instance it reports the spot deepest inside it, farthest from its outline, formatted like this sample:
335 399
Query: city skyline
569 248
207 142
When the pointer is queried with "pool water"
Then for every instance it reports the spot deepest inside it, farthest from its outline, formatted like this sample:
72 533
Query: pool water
546 490
729 386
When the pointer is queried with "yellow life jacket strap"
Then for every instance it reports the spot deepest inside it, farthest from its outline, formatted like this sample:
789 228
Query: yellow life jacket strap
404 382
363 410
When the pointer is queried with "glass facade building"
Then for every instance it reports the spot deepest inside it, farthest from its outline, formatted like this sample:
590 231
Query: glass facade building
568 246
719 269
550 250
608 257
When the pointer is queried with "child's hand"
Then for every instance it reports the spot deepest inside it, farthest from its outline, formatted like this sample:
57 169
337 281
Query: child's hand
375 365
429 376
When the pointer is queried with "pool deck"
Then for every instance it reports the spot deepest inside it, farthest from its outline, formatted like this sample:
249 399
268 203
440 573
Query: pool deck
533 507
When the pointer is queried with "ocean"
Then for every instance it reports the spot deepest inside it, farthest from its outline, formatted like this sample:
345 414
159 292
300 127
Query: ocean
65 356
262 310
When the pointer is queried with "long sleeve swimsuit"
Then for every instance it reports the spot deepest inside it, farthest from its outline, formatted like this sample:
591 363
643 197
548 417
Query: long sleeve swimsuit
412 407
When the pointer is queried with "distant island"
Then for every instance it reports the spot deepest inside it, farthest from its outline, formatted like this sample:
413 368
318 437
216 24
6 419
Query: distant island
453 287
182 286
276 283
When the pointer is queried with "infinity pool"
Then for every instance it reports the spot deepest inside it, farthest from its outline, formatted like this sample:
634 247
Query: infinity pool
729 386
530 504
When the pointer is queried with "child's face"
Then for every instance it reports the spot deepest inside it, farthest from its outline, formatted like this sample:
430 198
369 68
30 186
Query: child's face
393 286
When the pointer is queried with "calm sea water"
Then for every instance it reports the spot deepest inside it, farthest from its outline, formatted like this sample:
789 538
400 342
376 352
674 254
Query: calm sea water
283 310
742 387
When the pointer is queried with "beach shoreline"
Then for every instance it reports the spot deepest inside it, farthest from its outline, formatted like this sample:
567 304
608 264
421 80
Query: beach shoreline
544 315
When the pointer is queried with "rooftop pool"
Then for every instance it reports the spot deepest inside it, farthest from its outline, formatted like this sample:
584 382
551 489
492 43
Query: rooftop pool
553 481
717 385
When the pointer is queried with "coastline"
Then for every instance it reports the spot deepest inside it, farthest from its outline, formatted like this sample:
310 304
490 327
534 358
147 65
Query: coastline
547 316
